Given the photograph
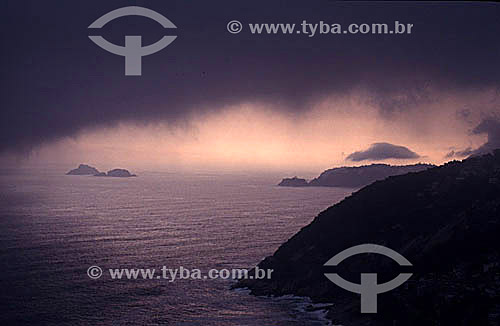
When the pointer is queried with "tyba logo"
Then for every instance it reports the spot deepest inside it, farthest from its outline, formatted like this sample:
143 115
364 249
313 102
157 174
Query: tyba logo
133 51
368 287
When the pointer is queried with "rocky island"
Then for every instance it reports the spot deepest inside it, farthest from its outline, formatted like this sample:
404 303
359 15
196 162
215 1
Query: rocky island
83 169
293 182
120 173
354 177
444 220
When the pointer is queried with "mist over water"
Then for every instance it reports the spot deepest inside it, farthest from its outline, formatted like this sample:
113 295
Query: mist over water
55 226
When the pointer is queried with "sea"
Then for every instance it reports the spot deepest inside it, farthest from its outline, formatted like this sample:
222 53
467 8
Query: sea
54 227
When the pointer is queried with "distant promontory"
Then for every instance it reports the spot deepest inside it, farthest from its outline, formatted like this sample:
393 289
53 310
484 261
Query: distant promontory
353 177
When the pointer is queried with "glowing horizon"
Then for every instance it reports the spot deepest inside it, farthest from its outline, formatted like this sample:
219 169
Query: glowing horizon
257 136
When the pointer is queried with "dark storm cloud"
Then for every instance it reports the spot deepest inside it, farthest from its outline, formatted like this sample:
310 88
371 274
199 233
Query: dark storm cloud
55 82
491 127
382 151
460 153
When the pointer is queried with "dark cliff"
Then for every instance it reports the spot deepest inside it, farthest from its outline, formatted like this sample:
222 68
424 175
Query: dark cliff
444 220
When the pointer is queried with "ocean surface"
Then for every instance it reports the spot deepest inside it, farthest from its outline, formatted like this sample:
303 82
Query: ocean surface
53 227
